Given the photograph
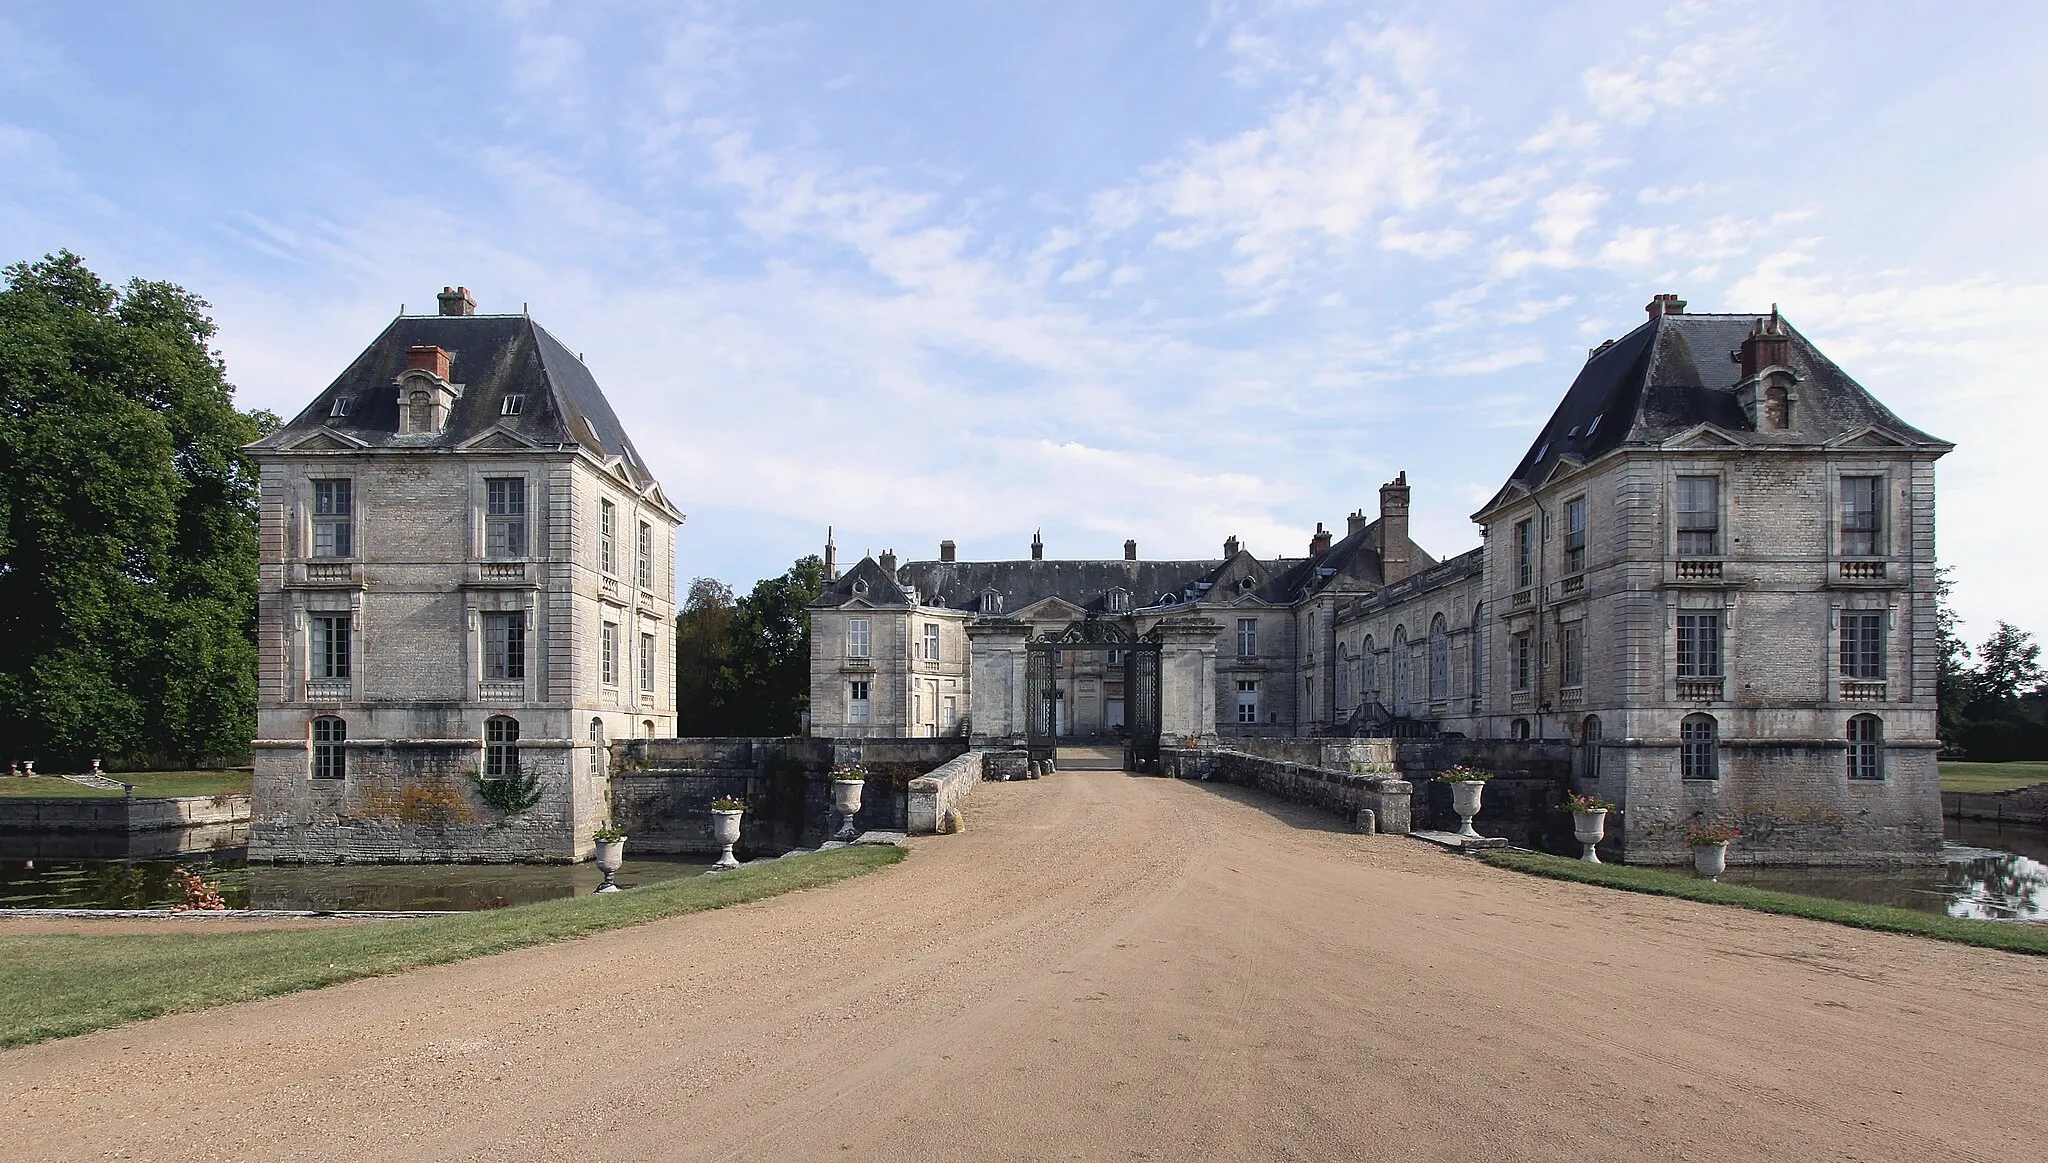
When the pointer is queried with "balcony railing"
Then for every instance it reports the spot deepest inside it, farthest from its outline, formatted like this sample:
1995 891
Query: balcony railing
328 690
502 571
1863 571
501 691
1699 569
1571 696
1862 690
330 571
1699 689
1576 583
1524 597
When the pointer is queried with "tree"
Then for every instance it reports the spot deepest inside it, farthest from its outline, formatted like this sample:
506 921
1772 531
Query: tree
764 686
1955 681
127 523
703 645
2011 666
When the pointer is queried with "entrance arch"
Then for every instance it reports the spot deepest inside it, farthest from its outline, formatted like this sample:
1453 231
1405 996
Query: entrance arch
1050 658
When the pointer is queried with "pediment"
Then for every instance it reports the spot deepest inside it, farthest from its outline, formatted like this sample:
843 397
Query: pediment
496 439
1051 608
1566 466
326 440
1703 436
1868 438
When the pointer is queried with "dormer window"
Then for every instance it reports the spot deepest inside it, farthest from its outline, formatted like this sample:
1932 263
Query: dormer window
1118 600
512 405
1777 408
424 393
991 601
859 587
1245 584
419 412
341 405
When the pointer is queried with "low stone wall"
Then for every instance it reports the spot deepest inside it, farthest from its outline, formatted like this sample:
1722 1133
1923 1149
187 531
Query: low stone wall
122 815
1348 794
2021 805
1335 754
934 797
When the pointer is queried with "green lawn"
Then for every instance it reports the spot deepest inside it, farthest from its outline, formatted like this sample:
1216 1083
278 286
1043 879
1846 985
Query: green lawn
148 784
57 987
2015 938
1991 776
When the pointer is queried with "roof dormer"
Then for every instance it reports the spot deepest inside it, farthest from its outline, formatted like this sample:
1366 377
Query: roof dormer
424 394
1768 392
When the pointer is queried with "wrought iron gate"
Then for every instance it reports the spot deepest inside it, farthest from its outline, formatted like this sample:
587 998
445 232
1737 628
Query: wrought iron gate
1046 658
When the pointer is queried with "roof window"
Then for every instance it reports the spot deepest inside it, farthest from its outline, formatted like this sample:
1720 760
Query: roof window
1595 425
512 405
341 405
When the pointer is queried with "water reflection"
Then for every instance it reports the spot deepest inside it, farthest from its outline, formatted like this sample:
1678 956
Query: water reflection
1987 872
41 883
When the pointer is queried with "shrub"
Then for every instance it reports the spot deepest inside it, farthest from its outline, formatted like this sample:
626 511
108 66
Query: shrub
1459 773
1712 834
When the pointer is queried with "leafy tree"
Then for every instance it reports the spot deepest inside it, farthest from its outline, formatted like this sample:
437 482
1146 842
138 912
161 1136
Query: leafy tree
1955 681
764 686
127 523
2011 666
703 645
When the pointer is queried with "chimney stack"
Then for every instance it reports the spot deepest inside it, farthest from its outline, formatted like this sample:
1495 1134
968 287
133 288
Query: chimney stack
831 557
1355 522
1037 545
1130 549
888 563
456 301
1769 344
1230 547
1320 543
428 359
1396 561
1665 305
947 551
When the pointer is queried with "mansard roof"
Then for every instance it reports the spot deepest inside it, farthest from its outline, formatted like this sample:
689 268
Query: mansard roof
959 585
1680 372
492 356
865 584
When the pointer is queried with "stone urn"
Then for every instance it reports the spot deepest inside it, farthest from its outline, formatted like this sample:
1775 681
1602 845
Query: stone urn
725 831
610 854
1710 860
1589 828
1465 795
846 801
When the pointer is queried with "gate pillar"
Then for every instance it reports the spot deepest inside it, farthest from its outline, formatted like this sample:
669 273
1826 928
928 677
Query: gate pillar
1187 677
997 698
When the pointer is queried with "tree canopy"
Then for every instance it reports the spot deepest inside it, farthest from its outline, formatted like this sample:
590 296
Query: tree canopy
744 667
127 523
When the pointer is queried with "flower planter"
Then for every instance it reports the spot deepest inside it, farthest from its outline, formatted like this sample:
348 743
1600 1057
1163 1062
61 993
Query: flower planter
725 831
846 801
1710 860
1589 828
1465 795
610 855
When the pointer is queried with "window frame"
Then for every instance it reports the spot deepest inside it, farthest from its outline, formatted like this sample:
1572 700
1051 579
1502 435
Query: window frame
1522 660
1576 517
644 566
1694 521
1700 654
859 703
1866 748
1699 747
330 645
860 641
333 515
1861 652
1525 553
1247 637
505 529
504 645
607 537
646 661
330 754
1868 524
931 641
1247 707
1571 648
608 653
501 747
1438 663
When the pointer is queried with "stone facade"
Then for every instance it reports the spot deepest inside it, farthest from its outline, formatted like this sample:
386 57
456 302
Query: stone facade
466 572
1712 577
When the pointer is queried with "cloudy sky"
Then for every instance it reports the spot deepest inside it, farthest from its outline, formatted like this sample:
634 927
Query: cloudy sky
1169 270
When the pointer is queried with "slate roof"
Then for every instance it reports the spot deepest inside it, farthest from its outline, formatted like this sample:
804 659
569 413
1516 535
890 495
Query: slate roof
1678 371
493 356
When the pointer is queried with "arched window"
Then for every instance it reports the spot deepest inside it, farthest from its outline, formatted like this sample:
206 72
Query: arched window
501 747
1476 681
1866 747
1698 748
1439 659
330 758
1343 678
1521 729
1369 662
1777 408
647 728
1400 670
596 746
1589 734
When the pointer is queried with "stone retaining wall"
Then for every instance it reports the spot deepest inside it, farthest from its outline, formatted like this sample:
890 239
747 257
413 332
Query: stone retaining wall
934 796
1348 794
2021 805
121 815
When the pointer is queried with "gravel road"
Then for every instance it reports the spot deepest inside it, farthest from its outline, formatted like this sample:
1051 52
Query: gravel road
1106 967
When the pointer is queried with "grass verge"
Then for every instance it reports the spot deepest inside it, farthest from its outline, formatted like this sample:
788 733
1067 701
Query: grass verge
148 785
1991 776
2012 938
61 986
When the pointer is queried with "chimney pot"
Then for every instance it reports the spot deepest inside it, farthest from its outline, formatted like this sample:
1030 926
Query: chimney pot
1665 304
456 301
1395 560
429 359
1230 547
1320 543
1037 545
947 551
1355 522
888 563
1130 549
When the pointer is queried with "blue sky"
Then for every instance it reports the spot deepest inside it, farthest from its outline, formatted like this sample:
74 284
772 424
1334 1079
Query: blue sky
1165 271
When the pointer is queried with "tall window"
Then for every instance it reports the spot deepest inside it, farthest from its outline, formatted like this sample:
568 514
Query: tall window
857 705
1699 645
1343 680
334 523
1369 663
1525 554
1575 536
1439 660
330 758
1571 650
1866 747
1590 735
1698 758
1699 516
858 642
1311 635
1247 637
607 537
1399 665
1862 645
596 746
505 517
646 558
1862 535
647 662
330 646
931 641
505 646
1524 649
1247 700
501 747
1477 681
608 647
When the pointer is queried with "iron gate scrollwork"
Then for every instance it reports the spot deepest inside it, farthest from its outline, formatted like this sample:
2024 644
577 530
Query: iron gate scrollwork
1046 659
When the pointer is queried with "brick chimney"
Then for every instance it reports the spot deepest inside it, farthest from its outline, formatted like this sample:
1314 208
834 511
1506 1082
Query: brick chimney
888 563
1769 344
427 359
456 301
831 557
1320 543
1130 549
1395 562
1356 521
1665 305
947 551
1037 546
1230 547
